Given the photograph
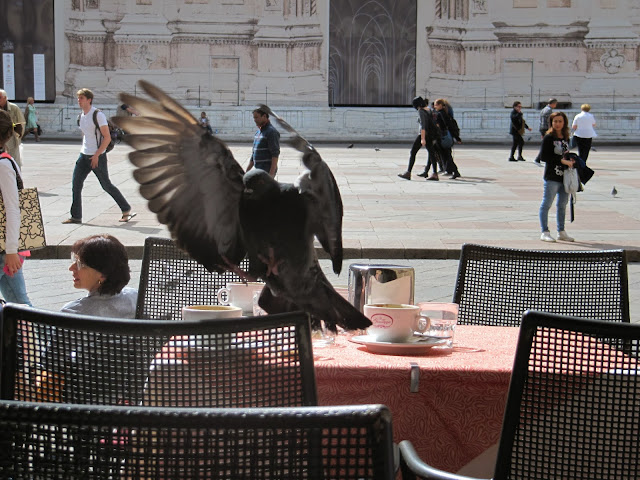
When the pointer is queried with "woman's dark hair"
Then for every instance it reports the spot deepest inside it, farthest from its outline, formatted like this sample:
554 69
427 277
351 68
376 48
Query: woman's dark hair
6 127
108 256
565 128
419 103
260 111
516 103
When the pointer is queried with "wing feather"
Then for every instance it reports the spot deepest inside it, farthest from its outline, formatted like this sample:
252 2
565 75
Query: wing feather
189 177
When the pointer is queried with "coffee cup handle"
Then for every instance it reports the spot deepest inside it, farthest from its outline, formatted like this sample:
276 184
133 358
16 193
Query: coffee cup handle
424 322
219 294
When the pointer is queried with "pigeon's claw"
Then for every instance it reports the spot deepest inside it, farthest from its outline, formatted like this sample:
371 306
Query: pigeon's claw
232 267
271 262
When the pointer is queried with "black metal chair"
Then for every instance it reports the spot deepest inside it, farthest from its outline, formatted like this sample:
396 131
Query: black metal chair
495 286
262 361
170 279
106 442
573 409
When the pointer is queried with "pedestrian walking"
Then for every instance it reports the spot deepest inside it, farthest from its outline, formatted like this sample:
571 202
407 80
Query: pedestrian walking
544 126
12 146
516 131
266 144
448 134
427 136
584 132
31 118
93 158
12 284
204 122
555 145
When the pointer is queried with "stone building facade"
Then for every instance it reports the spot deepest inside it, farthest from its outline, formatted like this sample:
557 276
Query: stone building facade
479 53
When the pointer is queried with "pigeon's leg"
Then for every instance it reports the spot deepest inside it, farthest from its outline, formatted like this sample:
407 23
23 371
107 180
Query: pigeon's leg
232 267
271 262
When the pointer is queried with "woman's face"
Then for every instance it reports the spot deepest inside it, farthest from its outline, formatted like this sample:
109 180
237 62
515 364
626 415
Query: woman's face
557 123
437 106
84 277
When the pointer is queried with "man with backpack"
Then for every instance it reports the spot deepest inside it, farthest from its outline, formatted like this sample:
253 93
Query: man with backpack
96 140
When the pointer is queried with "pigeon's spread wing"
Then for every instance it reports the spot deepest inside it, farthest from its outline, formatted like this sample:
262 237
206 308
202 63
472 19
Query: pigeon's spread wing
325 204
319 186
189 177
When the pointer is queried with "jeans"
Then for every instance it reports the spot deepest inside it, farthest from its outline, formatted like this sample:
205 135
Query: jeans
13 288
518 143
80 173
584 146
551 190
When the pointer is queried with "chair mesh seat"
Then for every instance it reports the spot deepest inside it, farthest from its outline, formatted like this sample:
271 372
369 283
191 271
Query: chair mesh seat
241 362
77 441
495 286
171 279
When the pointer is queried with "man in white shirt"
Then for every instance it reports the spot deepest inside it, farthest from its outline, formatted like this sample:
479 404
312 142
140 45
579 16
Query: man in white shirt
93 157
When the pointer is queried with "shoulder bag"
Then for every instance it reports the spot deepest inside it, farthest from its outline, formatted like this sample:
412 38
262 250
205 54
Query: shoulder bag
31 224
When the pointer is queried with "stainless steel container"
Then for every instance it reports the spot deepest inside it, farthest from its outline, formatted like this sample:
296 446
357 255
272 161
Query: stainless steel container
380 284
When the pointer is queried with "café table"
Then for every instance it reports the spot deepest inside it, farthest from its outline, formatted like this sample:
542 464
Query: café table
454 413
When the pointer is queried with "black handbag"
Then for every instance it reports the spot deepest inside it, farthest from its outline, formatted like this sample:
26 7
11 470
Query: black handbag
39 129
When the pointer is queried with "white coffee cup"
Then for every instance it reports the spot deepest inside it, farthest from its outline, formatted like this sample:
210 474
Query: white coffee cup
205 312
394 322
239 294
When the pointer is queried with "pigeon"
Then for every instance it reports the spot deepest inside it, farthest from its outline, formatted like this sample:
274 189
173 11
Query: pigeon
350 145
376 149
614 192
218 213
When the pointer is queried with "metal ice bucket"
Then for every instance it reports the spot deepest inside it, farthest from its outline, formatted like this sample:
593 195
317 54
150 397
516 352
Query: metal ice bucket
380 284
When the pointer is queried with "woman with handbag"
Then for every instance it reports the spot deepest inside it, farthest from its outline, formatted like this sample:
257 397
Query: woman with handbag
517 131
12 284
552 152
31 118
449 134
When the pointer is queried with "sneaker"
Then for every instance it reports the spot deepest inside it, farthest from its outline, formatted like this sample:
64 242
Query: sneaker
521 159
455 175
512 159
434 177
562 235
72 220
546 237
405 175
423 174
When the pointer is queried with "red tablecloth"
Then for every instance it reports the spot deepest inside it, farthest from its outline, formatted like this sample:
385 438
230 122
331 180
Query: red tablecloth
456 413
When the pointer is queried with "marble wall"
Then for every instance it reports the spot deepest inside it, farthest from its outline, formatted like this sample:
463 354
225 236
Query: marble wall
479 53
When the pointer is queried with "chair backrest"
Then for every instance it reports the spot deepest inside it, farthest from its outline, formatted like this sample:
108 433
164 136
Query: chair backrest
495 286
262 361
573 409
170 279
80 441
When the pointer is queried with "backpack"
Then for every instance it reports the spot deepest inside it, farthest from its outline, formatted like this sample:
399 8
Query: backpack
115 133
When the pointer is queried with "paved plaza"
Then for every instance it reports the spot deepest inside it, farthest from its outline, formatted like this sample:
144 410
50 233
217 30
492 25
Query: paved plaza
388 219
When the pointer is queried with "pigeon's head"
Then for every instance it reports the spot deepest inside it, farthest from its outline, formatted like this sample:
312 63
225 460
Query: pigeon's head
258 184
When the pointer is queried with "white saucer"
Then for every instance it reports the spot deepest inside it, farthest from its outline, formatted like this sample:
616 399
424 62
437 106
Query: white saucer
413 346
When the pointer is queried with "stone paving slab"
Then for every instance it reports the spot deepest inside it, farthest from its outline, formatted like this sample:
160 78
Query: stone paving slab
495 202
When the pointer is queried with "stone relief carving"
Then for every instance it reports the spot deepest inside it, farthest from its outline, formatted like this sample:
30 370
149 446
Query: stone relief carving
612 61
143 57
272 4
75 4
479 6
94 4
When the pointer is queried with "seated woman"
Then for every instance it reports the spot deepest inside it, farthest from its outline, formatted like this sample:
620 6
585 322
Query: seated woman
83 369
100 264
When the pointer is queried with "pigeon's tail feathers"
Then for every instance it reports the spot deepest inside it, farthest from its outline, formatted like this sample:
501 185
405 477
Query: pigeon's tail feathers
341 312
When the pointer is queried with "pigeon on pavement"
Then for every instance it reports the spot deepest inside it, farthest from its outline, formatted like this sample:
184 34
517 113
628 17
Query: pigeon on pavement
350 145
218 214
614 192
